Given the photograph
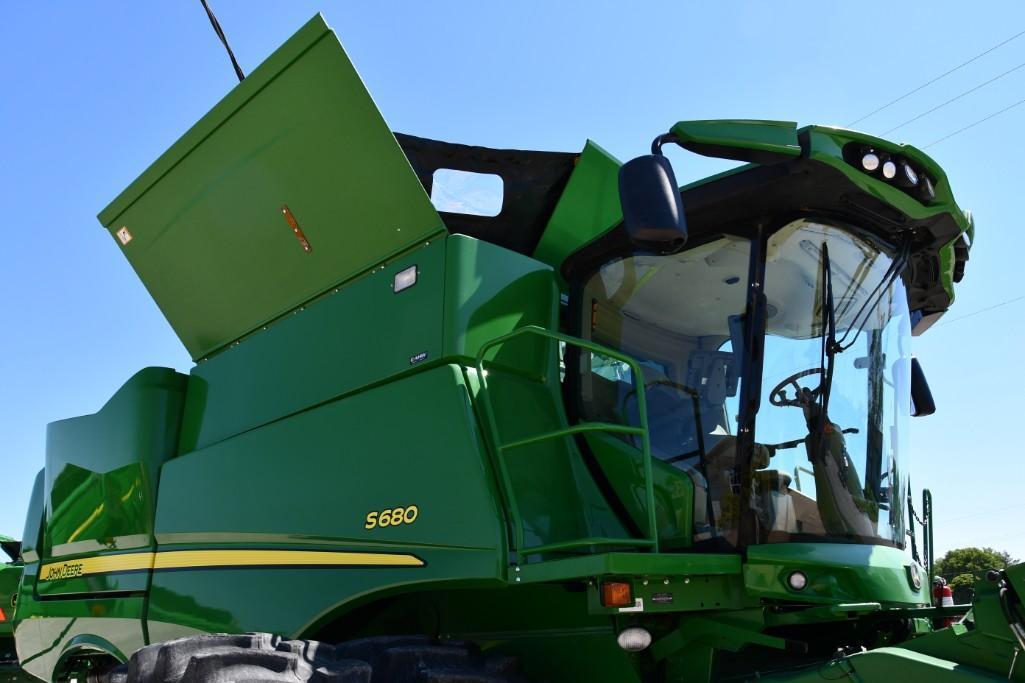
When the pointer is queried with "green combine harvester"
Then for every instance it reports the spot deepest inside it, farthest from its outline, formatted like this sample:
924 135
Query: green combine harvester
618 431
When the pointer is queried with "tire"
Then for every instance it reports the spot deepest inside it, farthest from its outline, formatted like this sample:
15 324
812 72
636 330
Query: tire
263 658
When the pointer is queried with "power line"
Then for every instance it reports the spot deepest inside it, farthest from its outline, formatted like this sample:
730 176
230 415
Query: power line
973 125
954 99
983 310
942 75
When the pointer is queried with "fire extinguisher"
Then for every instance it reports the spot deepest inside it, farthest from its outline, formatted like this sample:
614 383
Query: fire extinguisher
943 596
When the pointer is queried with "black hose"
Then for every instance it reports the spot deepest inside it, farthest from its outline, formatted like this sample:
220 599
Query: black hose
224 40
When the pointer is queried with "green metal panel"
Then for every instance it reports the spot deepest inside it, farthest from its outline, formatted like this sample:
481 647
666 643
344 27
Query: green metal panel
674 489
34 519
208 236
887 664
318 473
491 291
837 572
744 139
589 207
350 338
309 481
101 477
47 629
985 640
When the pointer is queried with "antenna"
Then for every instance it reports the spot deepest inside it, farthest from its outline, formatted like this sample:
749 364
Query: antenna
220 34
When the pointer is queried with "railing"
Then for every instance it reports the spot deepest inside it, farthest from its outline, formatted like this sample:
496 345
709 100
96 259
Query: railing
518 545
797 475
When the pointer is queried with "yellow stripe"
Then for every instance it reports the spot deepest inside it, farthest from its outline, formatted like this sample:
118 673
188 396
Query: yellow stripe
184 559
195 559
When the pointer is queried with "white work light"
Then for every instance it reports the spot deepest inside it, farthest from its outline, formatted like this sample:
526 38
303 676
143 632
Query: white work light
634 639
870 161
404 279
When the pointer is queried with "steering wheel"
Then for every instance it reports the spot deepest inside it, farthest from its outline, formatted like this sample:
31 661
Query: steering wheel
802 395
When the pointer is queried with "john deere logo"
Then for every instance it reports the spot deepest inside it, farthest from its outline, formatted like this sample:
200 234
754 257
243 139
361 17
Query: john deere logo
66 570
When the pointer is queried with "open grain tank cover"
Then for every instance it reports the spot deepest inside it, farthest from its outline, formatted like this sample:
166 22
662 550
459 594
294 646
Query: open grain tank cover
206 226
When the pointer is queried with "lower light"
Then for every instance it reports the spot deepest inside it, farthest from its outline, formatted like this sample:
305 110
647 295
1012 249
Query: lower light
634 639
797 581
916 575
889 170
617 594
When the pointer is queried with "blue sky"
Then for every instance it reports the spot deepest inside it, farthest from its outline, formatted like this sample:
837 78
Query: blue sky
94 92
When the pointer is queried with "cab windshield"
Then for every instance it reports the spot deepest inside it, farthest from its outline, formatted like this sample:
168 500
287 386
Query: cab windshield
815 475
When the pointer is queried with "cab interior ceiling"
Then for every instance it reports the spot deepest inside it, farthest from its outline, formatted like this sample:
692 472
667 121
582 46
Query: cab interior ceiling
784 192
532 184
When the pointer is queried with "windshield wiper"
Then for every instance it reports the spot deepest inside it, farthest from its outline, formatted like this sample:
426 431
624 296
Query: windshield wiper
875 297
817 419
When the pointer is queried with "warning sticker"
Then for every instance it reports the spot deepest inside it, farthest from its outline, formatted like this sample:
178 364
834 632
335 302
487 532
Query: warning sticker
124 236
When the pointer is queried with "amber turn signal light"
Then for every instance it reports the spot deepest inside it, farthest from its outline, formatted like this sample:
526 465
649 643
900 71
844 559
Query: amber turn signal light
616 594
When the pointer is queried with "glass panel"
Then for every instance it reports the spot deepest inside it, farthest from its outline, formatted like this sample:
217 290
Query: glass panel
837 476
676 315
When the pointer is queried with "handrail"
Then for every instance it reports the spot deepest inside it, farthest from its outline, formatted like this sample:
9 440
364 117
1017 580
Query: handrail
500 448
797 475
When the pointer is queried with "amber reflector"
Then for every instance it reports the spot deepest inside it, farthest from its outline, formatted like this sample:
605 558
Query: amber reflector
616 594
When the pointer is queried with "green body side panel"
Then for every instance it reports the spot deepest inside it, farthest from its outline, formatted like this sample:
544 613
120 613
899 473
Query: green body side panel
357 336
309 481
837 573
47 631
101 477
589 207
490 291
300 131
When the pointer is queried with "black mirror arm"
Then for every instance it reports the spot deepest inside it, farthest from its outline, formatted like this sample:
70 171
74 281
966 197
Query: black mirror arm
664 139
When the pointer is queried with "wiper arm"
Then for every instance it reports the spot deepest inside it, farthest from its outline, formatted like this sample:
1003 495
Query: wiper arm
816 415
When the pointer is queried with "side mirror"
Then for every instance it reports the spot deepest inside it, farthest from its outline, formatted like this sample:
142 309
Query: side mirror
652 207
922 402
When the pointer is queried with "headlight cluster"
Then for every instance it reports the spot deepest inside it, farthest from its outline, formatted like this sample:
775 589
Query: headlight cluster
893 169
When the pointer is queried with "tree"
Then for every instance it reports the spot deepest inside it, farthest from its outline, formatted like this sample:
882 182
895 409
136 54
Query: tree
964 566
